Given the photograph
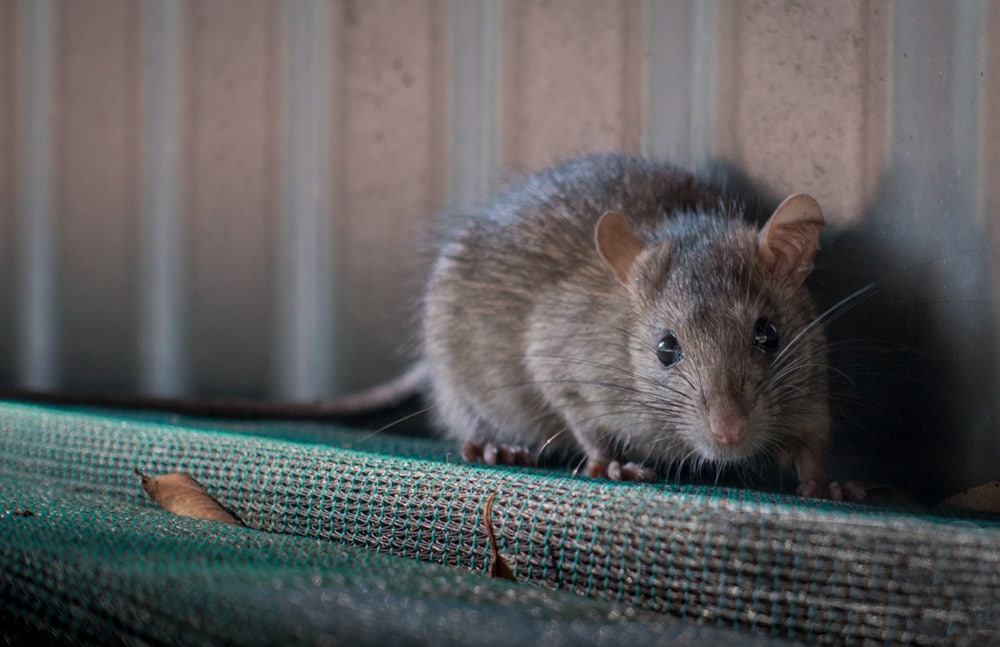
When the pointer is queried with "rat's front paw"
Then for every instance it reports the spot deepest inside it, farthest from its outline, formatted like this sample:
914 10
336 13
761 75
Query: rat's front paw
497 454
832 490
617 471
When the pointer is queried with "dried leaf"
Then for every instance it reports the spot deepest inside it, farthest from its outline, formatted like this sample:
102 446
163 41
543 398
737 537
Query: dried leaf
982 498
181 494
498 567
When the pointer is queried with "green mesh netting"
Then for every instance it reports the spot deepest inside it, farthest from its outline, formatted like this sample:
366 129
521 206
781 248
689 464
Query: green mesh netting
354 537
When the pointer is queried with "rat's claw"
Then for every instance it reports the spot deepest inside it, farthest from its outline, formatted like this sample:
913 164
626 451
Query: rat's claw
596 469
496 454
854 492
472 452
616 471
515 455
815 490
638 472
831 491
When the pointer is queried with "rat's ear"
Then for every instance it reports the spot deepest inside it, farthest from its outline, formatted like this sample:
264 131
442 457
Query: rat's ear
616 244
789 241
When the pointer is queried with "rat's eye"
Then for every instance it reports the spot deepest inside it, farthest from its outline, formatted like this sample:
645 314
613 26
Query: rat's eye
765 336
668 351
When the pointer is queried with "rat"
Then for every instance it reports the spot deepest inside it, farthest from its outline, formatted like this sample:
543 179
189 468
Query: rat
620 308
615 308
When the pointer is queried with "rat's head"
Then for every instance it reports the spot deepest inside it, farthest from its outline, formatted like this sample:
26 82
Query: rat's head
726 350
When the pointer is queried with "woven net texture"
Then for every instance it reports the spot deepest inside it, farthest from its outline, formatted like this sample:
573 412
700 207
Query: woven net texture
354 538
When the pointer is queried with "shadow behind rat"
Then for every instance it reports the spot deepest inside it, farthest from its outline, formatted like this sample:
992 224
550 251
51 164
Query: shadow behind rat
914 364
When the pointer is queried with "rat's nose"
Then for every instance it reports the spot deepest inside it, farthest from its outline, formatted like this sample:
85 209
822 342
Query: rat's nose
727 425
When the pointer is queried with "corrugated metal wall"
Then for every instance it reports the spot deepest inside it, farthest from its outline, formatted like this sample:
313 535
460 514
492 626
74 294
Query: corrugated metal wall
225 196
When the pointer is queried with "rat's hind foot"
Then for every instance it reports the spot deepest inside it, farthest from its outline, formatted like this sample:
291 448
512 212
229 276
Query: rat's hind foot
497 454
832 491
617 471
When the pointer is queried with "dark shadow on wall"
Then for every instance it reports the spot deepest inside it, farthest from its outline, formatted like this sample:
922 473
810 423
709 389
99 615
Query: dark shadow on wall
914 356
914 364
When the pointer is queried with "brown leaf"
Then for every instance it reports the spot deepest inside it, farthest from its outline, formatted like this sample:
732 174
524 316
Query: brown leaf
982 498
181 494
498 567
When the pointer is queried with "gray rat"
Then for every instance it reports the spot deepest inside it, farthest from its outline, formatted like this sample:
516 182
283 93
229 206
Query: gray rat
618 308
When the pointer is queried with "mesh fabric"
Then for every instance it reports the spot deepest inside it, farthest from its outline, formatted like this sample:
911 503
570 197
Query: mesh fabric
367 538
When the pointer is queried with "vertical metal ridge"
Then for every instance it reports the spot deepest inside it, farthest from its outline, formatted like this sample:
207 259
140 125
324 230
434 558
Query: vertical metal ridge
667 80
36 303
680 80
634 42
475 56
923 108
877 89
709 49
968 103
305 323
162 351
650 141
973 180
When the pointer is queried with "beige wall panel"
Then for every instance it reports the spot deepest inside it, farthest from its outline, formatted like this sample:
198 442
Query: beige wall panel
390 159
231 137
95 191
8 182
571 70
801 82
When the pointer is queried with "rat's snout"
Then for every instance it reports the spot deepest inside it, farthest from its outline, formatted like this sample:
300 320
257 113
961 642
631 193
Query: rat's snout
727 424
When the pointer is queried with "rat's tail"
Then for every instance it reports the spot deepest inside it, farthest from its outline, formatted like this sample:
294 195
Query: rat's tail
409 384
380 397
